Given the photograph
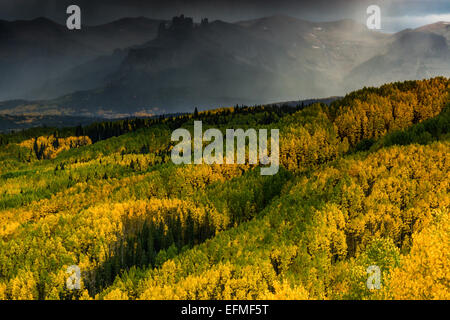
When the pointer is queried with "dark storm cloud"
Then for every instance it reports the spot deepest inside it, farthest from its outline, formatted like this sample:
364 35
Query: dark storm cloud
100 11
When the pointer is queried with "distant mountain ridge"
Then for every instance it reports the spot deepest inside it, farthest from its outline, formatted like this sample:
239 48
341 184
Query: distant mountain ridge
36 51
413 55
175 66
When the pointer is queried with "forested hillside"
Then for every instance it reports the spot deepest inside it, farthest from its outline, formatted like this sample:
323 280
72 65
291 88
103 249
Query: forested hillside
364 181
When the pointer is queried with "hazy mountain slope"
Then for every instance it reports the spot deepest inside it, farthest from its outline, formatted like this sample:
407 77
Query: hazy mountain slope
329 47
271 59
441 28
187 65
32 52
413 55
260 61
89 75
210 65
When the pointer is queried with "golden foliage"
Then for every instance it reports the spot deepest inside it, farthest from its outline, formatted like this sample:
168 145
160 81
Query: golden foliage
425 272
49 147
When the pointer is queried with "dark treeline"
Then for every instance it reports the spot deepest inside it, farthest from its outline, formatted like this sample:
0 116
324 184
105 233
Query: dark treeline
150 247
107 129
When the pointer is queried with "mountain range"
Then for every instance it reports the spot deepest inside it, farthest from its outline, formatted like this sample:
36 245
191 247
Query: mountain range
40 53
141 67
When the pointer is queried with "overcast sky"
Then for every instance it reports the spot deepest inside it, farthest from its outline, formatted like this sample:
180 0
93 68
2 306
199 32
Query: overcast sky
396 14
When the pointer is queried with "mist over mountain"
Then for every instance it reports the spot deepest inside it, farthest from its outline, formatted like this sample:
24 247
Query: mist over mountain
38 51
441 28
414 54
146 67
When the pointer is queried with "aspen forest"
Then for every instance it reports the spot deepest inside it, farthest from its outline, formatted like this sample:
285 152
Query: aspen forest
363 181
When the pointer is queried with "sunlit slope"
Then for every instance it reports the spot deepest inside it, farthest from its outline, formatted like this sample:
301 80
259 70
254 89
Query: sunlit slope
363 182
